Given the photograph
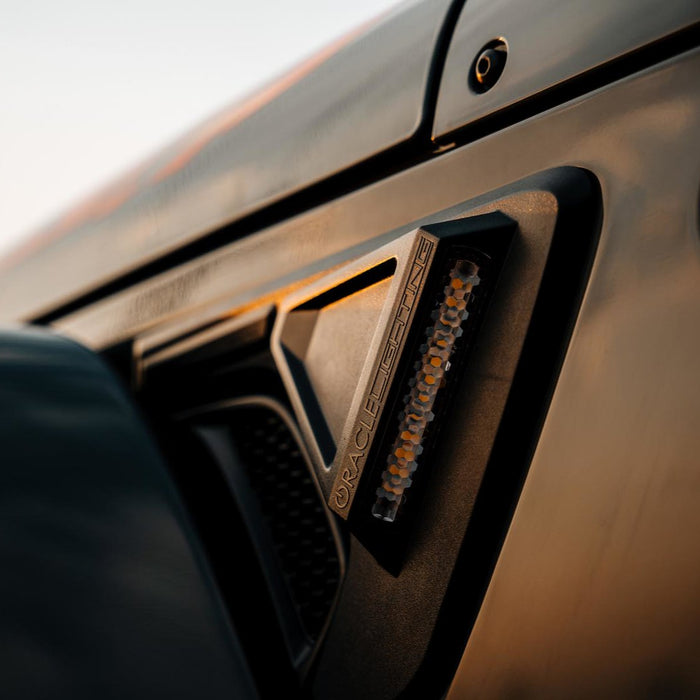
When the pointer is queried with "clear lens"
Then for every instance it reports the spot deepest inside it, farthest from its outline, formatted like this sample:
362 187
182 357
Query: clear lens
424 386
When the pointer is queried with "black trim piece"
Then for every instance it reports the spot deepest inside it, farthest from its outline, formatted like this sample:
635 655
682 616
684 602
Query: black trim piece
556 309
122 360
234 343
419 148
324 437
221 531
191 333
484 240
370 277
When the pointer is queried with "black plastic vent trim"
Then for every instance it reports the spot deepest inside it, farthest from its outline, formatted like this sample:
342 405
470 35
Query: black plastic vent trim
261 455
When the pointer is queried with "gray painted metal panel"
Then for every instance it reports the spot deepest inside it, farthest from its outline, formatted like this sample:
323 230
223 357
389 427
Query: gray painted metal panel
597 586
362 95
597 589
590 132
103 590
548 42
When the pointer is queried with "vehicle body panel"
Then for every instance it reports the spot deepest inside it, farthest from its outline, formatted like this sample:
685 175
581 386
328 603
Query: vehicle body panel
549 42
359 97
596 577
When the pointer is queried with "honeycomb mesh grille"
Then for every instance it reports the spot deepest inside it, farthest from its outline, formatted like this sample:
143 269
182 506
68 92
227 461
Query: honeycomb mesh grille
293 512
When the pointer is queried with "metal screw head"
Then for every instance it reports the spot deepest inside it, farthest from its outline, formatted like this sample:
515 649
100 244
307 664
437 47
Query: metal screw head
488 66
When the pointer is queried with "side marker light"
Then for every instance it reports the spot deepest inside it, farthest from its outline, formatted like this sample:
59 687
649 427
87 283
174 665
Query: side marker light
424 386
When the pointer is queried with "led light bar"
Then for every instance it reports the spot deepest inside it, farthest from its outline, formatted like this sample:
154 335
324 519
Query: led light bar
420 297
426 383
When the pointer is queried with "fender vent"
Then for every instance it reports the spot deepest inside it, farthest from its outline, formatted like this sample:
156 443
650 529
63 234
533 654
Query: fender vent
293 512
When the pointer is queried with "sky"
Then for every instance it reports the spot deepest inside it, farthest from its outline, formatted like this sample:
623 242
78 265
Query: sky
89 88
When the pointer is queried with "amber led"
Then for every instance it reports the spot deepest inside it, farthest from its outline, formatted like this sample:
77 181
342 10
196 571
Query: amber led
424 386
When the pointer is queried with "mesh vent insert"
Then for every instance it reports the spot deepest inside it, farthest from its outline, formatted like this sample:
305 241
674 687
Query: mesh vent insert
292 510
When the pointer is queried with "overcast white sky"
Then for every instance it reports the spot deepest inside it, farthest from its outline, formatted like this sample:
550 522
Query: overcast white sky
90 87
